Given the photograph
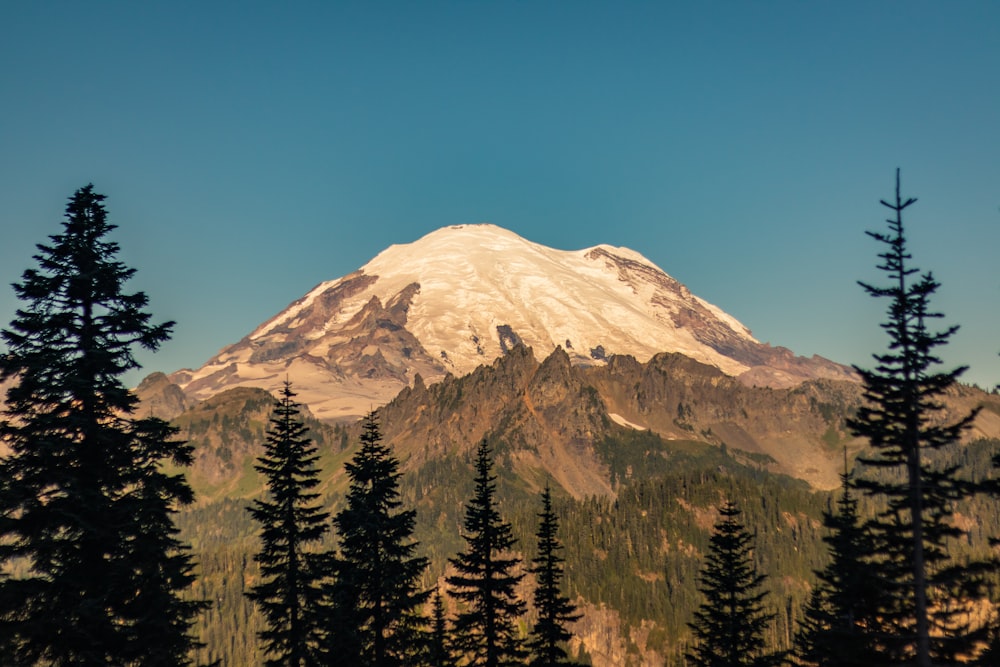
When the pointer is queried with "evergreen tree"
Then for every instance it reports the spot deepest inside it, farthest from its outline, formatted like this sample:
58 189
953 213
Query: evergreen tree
86 507
927 596
549 636
376 596
730 623
485 631
439 650
836 631
290 591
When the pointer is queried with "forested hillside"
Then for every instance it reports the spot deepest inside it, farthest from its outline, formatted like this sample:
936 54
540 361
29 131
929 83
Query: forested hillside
634 542
632 559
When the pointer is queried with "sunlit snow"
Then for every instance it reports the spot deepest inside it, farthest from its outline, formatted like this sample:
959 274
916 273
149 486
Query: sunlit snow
475 278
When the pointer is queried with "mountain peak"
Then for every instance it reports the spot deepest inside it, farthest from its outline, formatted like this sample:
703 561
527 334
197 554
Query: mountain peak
461 296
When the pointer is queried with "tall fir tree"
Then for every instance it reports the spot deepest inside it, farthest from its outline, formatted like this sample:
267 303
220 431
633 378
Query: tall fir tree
86 507
843 608
376 596
485 631
548 637
928 596
292 524
729 625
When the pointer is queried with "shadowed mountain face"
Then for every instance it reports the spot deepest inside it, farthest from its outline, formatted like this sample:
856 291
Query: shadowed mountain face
463 296
641 454
552 418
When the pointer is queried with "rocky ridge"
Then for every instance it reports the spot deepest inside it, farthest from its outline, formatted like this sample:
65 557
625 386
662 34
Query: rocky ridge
463 296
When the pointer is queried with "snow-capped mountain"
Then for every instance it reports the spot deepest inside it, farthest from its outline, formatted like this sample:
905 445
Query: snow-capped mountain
463 295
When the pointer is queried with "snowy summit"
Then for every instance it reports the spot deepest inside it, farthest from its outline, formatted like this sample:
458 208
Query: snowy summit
462 296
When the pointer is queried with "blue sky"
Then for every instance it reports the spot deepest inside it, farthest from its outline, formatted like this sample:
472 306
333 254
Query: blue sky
252 150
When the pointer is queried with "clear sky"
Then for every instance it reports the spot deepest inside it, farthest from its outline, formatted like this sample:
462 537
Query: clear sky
251 150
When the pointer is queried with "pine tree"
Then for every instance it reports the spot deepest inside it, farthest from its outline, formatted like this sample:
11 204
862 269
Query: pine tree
376 596
86 508
841 613
439 649
291 520
485 631
928 596
549 635
729 625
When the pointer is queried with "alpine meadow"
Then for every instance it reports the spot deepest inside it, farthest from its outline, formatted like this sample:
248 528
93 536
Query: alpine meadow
479 451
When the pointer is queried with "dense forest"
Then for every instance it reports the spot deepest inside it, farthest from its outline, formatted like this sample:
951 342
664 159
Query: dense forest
637 555
329 554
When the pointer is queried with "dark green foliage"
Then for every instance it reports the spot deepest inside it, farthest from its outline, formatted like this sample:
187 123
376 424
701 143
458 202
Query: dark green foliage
546 644
729 626
292 524
224 536
843 605
87 510
376 598
927 594
637 554
485 580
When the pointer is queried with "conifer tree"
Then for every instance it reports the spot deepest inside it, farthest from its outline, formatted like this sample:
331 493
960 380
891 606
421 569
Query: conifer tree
376 597
439 648
292 521
549 635
927 595
485 631
842 612
86 507
729 625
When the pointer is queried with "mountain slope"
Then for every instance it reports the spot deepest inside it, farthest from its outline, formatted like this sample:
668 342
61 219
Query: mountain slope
462 296
633 452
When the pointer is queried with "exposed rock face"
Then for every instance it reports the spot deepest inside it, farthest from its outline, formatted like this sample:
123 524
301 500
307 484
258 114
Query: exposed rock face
364 360
779 367
463 296
550 414
545 416
159 397
682 399
228 432
600 630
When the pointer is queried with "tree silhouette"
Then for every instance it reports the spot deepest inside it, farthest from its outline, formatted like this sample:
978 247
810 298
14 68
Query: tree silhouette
290 591
439 648
927 596
549 635
843 608
485 580
730 623
376 595
86 508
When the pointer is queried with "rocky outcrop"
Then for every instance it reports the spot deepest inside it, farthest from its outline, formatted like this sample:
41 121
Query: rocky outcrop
159 397
228 432
549 415
465 295
363 362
